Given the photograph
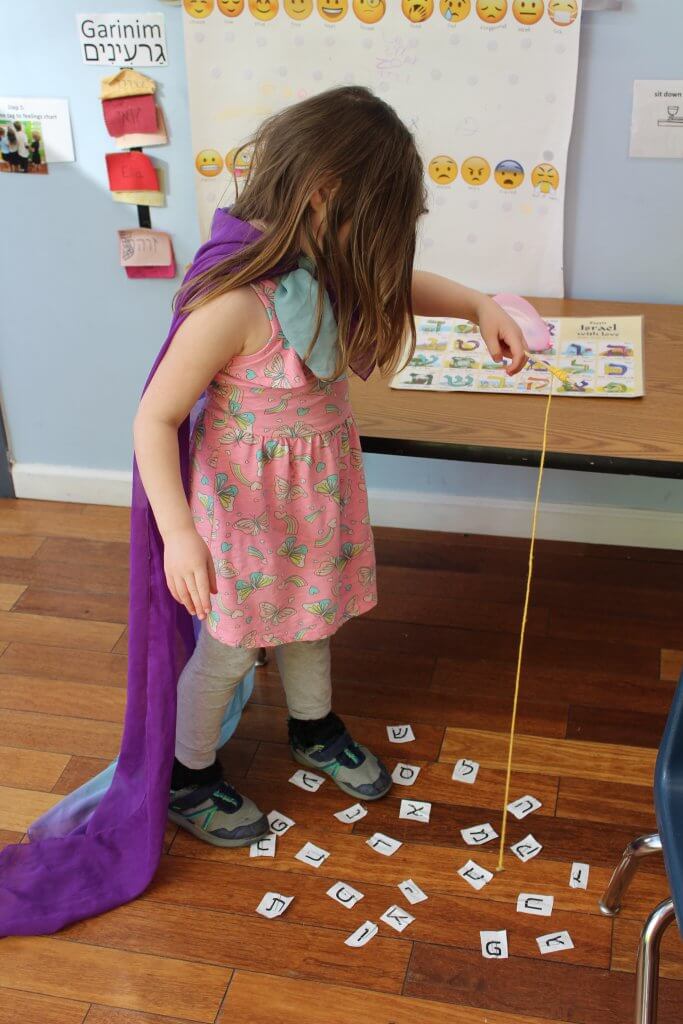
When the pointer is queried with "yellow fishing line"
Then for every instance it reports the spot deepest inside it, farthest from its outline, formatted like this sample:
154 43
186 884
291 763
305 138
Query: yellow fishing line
564 377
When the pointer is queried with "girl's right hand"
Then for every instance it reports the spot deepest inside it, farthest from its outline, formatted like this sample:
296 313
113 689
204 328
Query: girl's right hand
190 572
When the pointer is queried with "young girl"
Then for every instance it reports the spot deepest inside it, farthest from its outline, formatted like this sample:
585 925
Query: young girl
273 546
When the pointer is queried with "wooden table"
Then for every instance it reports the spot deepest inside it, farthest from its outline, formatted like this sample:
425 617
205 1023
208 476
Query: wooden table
642 436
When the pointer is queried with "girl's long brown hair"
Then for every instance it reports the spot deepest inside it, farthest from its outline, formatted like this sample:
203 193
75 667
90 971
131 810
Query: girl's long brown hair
355 144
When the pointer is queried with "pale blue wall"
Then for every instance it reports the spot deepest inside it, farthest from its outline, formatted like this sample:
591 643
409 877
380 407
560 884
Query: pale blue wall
77 336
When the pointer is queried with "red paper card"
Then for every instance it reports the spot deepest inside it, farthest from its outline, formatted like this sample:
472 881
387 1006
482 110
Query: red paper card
168 271
131 171
130 114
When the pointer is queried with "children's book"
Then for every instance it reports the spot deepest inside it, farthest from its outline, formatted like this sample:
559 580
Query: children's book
603 357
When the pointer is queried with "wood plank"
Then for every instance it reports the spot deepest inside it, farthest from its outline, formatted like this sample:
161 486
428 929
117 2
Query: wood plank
90 525
105 554
446 920
459 705
30 769
434 868
70 576
631 806
606 761
110 1015
61 734
79 700
55 967
9 838
16 546
48 629
557 989
20 807
625 948
671 665
51 662
29 1008
75 604
248 942
10 594
611 629
270 725
259 998
615 725
121 646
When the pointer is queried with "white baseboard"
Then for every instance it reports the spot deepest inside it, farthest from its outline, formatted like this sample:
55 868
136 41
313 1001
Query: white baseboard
72 483
594 524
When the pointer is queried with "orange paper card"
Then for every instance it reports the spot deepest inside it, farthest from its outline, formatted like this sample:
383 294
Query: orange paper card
131 171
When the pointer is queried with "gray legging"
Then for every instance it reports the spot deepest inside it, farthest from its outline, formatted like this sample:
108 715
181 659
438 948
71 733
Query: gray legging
212 674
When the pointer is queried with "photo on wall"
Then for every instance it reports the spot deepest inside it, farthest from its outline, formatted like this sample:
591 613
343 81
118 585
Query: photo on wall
22 150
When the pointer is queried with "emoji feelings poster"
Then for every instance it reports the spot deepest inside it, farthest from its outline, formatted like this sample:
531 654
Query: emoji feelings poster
602 357
486 85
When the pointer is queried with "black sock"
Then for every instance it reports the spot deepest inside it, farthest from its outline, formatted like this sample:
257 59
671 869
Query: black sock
309 732
183 776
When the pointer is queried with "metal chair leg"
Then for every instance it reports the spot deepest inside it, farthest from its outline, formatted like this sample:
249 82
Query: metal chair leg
610 904
262 657
647 972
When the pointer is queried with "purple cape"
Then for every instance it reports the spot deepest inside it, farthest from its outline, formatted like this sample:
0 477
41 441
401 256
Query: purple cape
112 856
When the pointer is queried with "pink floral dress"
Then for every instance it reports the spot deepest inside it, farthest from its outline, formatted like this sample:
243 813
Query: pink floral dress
278 494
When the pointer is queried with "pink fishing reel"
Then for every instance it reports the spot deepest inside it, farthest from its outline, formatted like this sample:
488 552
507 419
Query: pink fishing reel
534 327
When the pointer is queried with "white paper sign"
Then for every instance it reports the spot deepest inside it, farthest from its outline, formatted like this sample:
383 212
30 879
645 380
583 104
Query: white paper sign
279 823
131 38
415 810
555 942
51 117
479 834
312 854
474 875
412 891
494 945
307 781
384 844
397 918
362 935
527 848
351 814
578 876
490 102
405 774
400 733
657 119
264 847
525 805
273 904
345 894
465 771
533 903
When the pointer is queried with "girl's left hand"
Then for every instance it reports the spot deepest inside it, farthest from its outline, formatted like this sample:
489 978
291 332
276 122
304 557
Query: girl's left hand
503 336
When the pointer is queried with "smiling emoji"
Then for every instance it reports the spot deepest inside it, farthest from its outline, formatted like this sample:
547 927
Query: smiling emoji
209 163
443 170
198 8
299 10
264 10
509 174
455 10
476 170
369 11
492 11
417 10
545 178
332 10
528 12
230 8
563 12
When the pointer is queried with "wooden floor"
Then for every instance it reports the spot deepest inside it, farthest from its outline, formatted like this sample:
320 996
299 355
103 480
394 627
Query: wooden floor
605 646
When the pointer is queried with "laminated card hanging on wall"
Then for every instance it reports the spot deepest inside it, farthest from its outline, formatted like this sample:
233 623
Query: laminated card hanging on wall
488 89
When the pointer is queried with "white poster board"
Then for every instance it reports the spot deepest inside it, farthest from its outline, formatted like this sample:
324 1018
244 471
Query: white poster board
487 86
53 117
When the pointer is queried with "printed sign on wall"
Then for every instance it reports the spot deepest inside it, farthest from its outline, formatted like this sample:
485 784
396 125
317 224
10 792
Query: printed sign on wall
487 87
118 39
